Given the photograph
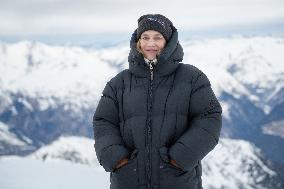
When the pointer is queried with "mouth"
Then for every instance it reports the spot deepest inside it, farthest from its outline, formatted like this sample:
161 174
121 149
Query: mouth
152 51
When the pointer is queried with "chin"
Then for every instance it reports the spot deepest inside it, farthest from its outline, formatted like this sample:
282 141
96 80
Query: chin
150 57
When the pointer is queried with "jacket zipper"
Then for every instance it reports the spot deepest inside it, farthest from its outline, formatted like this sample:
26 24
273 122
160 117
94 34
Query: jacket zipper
149 135
151 69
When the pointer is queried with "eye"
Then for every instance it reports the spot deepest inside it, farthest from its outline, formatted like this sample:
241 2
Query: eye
145 38
158 38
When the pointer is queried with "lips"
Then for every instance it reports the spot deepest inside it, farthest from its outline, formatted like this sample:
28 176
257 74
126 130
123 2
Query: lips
152 51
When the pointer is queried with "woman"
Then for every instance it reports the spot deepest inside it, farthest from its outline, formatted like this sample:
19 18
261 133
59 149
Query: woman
159 118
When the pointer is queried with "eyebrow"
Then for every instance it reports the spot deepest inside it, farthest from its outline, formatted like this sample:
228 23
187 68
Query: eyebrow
154 35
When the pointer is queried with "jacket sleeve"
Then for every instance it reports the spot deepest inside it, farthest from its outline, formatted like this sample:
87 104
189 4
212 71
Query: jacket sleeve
204 127
109 145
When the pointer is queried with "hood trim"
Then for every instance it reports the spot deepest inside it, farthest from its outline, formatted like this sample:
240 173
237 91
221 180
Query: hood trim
167 62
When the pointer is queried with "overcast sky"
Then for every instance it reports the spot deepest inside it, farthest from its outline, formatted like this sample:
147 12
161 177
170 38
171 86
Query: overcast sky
41 17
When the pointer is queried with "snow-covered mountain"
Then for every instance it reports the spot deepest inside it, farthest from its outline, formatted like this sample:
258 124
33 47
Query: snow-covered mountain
72 75
238 164
233 163
50 91
71 148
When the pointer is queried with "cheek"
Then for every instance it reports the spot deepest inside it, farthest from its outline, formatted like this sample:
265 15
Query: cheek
162 45
142 47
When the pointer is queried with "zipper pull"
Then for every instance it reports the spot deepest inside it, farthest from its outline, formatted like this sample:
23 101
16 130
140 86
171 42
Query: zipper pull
151 69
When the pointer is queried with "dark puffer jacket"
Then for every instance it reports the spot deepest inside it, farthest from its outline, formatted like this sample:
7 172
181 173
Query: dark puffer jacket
174 116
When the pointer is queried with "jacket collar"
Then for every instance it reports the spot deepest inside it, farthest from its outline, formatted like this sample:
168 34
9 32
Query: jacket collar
167 62
148 61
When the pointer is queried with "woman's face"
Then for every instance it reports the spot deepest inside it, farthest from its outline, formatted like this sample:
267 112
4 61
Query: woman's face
151 44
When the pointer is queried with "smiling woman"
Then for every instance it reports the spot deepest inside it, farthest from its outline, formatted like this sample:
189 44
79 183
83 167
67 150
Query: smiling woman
158 119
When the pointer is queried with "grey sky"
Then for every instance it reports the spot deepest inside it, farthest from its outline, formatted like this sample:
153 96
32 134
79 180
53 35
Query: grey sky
29 17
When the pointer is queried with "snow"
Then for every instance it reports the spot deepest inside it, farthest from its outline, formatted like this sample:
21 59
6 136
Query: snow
71 74
225 110
71 162
26 173
8 137
71 148
274 128
234 164
232 64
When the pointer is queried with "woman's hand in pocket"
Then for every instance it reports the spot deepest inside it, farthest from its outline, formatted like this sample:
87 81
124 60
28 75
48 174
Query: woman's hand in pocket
174 163
121 163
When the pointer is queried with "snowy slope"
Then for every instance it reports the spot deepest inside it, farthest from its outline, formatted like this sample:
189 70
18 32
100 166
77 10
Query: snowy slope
237 164
241 66
74 149
8 137
26 173
275 128
9 141
232 164
73 75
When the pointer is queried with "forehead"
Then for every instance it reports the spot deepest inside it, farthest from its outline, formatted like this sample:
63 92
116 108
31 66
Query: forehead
151 32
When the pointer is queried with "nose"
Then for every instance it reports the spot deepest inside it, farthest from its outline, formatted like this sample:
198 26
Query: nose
151 42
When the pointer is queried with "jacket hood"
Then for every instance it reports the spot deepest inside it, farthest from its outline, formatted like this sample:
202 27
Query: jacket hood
167 61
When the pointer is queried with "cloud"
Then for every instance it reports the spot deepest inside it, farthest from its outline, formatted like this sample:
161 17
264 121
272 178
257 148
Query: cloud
36 17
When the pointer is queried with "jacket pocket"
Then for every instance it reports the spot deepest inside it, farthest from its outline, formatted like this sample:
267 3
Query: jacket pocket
127 175
165 160
174 177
